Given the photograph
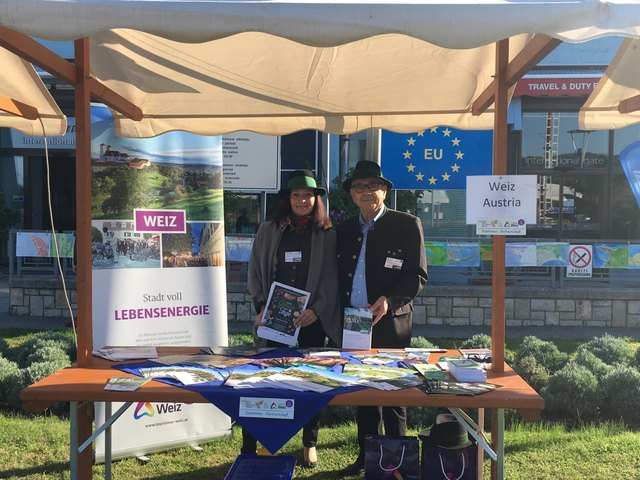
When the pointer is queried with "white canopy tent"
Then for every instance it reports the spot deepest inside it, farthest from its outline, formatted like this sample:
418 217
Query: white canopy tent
478 50
615 103
25 103
450 24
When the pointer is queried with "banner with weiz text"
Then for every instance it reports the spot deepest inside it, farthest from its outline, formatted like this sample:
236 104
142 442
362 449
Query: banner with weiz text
158 267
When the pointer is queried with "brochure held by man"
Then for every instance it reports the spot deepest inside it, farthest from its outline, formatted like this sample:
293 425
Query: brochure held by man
284 305
356 334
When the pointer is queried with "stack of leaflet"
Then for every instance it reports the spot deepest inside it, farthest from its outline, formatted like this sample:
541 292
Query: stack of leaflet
465 370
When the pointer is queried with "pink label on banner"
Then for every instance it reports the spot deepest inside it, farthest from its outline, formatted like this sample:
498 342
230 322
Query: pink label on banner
160 221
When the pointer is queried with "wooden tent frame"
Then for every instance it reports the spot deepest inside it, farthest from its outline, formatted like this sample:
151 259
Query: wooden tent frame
86 87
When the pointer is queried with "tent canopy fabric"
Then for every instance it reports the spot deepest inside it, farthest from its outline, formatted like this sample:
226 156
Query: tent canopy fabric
276 67
447 23
271 85
20 82
620 82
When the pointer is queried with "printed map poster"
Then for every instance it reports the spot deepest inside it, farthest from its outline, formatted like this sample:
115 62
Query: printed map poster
158 258
436 253
634 256
610 255
521 254
439 158
463 254
33 244
552 254
65 243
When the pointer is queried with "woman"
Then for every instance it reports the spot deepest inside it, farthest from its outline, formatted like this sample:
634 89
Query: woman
298 248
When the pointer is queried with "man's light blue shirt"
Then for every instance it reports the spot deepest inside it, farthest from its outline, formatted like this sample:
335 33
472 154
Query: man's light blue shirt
359 286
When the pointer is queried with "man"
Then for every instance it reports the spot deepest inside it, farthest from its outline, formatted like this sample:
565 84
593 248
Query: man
382 265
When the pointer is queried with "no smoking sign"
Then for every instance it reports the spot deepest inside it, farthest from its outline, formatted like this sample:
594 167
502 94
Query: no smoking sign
580 261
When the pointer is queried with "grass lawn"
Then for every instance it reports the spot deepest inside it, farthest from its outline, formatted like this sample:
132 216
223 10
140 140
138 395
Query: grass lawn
36 447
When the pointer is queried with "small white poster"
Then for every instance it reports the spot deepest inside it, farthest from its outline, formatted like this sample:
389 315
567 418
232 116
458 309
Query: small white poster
251 161
511 198
580 264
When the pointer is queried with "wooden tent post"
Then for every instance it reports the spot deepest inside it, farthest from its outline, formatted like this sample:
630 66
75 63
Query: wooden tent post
498 270
83 243
499 168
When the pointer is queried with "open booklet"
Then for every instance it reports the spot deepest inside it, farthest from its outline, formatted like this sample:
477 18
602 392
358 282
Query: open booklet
284 305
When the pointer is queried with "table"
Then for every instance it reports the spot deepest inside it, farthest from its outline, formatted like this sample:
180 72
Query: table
83 386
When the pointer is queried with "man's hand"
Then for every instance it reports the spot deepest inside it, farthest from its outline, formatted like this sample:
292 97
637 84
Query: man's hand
306 318
379 309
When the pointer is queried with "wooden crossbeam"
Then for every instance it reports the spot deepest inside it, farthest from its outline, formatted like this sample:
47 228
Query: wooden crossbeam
36 53
531 54
14 107
629 105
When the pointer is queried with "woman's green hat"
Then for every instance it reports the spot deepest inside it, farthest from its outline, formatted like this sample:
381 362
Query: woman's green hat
302 179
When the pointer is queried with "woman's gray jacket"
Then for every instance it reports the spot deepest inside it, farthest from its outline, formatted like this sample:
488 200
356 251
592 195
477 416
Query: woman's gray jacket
322 279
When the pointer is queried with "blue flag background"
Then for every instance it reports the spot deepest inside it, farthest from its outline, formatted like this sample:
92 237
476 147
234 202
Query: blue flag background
439 158
630 161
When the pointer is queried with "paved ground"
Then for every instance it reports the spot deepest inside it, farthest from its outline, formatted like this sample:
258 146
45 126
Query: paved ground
427 331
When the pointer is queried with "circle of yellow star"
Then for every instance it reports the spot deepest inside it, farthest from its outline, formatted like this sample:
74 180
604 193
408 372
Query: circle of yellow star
446 132
411 141
419 177
459 155
407 154
456 142
411 167
455 167
445 177
432 180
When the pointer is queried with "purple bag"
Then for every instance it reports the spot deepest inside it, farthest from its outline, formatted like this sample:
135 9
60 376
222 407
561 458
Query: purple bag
447 451
449 464
391 457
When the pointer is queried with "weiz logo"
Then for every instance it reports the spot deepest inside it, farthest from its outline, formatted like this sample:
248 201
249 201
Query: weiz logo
169 408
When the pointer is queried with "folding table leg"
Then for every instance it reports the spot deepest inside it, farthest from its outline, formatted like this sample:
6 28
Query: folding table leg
497 439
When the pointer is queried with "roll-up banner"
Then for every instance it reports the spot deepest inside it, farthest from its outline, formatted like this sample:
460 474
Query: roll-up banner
158 255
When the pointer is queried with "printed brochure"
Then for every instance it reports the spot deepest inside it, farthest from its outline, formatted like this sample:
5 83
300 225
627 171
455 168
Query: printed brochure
125 384
284 305
356 333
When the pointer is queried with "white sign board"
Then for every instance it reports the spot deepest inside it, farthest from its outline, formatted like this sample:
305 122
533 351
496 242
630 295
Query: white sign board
580 262
503 198
251 161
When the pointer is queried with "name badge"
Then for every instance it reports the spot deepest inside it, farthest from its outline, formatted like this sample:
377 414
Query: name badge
393 263
293 257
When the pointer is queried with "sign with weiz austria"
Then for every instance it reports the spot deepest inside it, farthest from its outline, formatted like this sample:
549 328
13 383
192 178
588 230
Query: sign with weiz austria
501 204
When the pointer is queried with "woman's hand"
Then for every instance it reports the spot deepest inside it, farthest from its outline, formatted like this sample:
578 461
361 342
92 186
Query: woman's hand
258 321
306 318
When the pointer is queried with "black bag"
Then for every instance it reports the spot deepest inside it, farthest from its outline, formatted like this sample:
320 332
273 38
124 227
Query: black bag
450 463
391 457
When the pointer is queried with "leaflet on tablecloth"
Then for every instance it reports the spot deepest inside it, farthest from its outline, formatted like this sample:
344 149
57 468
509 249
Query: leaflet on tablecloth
284 306
125 384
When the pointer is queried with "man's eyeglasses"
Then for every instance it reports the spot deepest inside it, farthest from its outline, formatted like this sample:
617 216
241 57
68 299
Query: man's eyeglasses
372 187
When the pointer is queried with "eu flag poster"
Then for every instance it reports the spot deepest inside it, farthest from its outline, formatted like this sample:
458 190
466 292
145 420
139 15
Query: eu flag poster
439 158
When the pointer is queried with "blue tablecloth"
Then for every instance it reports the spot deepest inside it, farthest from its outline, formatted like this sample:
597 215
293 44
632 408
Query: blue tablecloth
272 433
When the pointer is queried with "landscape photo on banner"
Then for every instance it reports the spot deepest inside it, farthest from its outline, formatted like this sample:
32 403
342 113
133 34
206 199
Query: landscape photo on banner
158 267
439 158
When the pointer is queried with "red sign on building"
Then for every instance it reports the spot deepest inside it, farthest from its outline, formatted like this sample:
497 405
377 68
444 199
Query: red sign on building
555 86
